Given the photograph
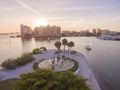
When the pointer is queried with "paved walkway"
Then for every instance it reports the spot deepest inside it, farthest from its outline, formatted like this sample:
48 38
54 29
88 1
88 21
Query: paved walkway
85 70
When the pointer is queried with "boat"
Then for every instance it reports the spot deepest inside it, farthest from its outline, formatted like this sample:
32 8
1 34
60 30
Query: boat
12 36
18 36
88 47
109 37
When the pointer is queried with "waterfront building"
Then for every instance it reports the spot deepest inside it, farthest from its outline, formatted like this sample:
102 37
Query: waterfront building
26 31
109 35
94 31
47 31
106 32
99 31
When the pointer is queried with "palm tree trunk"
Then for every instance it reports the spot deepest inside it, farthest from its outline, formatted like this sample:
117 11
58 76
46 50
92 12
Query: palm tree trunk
64 48
68 49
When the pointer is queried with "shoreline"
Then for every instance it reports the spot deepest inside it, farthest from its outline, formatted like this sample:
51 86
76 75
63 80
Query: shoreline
84 68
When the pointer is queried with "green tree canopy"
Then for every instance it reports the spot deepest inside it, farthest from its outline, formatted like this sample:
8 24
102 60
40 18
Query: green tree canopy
45 79
58 44
70 45
64 42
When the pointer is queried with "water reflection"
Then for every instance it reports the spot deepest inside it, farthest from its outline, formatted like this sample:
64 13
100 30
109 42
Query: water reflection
28 44
47 39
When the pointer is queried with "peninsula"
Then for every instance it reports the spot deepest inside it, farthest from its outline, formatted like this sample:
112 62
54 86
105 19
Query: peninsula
83 69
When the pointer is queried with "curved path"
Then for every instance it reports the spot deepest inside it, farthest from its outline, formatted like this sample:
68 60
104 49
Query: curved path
85 70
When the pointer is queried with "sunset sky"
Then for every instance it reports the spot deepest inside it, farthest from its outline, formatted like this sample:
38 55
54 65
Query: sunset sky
69 14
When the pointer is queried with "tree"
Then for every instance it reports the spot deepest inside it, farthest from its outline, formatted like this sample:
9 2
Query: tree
64 42
58 45
70 45
44 79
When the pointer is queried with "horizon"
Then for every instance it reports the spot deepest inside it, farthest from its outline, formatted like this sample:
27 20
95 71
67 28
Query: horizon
69 15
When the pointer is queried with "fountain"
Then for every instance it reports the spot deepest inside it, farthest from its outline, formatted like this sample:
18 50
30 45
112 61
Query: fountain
58 64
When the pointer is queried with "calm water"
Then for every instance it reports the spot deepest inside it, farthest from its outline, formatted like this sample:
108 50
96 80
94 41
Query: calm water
104 58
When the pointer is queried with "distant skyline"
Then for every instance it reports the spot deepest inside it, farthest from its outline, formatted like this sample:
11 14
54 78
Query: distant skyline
69 14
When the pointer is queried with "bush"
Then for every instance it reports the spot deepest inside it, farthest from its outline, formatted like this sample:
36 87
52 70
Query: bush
36 51
73 52
25 58
75 67
9 64
35 66
44 48
44 79
13 63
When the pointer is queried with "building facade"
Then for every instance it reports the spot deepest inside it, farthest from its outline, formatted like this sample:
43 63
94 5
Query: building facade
26 31
47 31
94 31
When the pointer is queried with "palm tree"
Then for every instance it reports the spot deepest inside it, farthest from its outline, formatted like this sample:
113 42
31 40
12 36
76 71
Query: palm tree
64 42
58 45
70 45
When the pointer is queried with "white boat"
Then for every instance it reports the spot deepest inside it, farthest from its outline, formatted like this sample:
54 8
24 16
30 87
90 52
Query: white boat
88 47
109 37
12 36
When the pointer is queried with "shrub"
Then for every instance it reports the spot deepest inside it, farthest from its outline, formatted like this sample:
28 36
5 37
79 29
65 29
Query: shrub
25 58
44 48
75 67
35 66
13 63
36 51
44 79
73 52
9 64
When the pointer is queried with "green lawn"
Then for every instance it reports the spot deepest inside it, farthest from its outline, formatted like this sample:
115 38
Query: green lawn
8 84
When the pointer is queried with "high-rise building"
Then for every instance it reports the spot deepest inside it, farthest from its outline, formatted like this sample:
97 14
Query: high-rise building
94 31
26 31
99 31
47 31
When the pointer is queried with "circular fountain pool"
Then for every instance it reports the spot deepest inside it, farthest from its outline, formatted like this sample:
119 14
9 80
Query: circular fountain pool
57 65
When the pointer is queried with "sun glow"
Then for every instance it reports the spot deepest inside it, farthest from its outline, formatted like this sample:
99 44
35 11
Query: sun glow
40 22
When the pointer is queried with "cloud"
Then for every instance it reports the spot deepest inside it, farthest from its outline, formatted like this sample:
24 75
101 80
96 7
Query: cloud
26 6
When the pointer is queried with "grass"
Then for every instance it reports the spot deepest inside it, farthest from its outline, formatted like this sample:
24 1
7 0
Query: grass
75 67
73 52
8 84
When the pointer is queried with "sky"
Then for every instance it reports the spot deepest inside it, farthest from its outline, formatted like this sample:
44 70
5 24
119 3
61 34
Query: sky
69 14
